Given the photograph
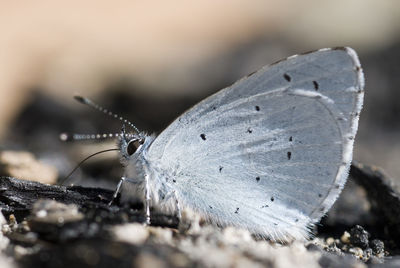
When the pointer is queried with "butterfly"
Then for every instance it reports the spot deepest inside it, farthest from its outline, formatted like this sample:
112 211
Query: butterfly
270 153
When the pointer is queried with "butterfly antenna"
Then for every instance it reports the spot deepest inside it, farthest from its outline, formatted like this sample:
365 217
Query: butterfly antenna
80 137
61 182
94 105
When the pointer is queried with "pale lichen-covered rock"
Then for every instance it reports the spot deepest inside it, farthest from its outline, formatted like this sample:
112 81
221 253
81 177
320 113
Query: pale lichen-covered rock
24 165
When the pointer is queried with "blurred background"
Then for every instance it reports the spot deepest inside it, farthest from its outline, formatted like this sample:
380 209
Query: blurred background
152 60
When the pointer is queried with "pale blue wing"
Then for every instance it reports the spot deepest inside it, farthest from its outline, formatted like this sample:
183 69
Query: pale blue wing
270 153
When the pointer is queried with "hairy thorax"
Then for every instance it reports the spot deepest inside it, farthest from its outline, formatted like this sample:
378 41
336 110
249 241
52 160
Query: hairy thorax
144 183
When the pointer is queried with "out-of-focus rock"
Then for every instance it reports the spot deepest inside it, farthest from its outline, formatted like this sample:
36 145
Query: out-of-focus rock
345 238
377 246
359 237
4 241
24 165
7 262
133 233
51 211
383 195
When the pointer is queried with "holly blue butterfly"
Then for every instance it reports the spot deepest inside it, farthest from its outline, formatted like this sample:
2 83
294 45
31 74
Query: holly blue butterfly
270 153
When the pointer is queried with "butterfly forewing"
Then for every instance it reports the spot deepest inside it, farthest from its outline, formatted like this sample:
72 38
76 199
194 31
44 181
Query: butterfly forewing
270 153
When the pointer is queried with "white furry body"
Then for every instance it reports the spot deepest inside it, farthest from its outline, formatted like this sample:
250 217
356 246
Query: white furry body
270 153
159 192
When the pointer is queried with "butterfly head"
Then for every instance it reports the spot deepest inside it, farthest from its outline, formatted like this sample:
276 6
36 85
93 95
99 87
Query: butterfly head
133 144
130 144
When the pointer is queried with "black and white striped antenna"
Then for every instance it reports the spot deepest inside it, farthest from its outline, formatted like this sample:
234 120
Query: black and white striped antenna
97 107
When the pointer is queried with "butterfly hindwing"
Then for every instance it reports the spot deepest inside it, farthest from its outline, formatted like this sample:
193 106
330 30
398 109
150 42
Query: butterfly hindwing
271 152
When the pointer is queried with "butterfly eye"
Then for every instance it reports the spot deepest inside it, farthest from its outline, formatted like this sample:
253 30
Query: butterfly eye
133 145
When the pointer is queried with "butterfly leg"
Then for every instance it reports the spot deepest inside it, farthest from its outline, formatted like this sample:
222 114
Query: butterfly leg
117 190
147 199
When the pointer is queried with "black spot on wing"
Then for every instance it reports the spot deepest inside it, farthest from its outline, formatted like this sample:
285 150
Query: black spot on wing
316 85
161 194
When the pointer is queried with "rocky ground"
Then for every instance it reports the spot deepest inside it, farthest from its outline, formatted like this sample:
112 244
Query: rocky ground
57 226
